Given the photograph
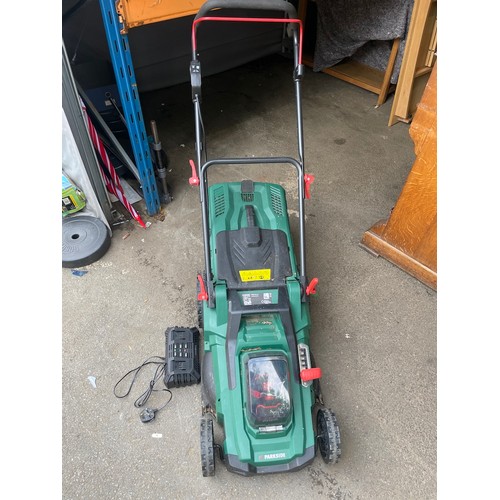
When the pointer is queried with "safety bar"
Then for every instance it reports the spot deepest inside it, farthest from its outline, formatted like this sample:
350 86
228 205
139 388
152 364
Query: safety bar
204 203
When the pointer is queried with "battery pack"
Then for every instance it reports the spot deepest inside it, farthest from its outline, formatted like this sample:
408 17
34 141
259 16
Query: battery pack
182 362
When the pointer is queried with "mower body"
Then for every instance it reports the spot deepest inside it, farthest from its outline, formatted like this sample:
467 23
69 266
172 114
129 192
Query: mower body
254 335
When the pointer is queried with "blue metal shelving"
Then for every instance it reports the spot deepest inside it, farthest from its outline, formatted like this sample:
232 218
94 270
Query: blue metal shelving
127 87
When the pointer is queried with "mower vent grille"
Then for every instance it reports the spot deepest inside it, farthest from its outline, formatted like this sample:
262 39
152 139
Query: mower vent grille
220 202
276 201
247 196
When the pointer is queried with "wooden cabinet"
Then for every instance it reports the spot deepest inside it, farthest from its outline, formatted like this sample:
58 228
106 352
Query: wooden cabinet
408 238
418 60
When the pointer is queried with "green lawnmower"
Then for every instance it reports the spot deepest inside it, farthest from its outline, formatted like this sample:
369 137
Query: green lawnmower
259 379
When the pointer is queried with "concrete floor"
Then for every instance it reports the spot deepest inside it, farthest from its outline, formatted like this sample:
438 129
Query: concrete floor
374 326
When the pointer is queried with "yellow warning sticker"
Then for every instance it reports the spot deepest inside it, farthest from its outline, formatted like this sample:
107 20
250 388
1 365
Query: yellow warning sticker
255 275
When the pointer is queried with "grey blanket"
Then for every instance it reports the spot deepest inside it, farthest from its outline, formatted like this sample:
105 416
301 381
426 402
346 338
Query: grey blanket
362 30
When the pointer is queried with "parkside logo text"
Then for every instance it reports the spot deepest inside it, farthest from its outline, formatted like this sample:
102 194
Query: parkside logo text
272 456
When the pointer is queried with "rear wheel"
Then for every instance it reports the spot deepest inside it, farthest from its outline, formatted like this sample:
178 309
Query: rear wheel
207 446
328 435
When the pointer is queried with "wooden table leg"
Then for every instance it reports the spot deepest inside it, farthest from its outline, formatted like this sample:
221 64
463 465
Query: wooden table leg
384 89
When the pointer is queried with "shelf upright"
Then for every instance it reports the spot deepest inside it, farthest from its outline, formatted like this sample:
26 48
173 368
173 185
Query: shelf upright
121 59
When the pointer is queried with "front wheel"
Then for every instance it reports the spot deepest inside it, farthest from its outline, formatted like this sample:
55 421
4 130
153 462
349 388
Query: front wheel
328 435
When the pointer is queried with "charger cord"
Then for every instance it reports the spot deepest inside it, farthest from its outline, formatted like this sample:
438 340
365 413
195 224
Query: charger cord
159 372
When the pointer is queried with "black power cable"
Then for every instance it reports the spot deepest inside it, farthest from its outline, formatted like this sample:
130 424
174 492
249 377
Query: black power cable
147 414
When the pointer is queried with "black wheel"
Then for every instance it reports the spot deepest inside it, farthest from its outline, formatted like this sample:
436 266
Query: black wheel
328 435
207 446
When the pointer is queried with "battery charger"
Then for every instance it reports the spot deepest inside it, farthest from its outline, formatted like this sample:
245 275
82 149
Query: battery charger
182 362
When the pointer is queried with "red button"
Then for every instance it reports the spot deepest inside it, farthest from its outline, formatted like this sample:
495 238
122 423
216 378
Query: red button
310 374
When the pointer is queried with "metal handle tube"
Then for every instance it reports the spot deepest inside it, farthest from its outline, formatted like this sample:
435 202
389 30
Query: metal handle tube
300 143
298 101
198 132
203 198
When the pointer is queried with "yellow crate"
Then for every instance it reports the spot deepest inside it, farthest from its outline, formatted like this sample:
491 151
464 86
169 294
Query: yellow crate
135 13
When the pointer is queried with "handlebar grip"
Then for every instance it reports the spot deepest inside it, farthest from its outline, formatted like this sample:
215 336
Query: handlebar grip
247 4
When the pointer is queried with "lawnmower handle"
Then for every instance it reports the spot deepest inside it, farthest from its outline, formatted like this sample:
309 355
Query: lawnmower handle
247 4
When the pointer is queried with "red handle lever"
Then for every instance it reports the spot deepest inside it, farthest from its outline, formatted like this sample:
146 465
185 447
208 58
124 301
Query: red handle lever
308 180
311 288
310 374
193 180
203 295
